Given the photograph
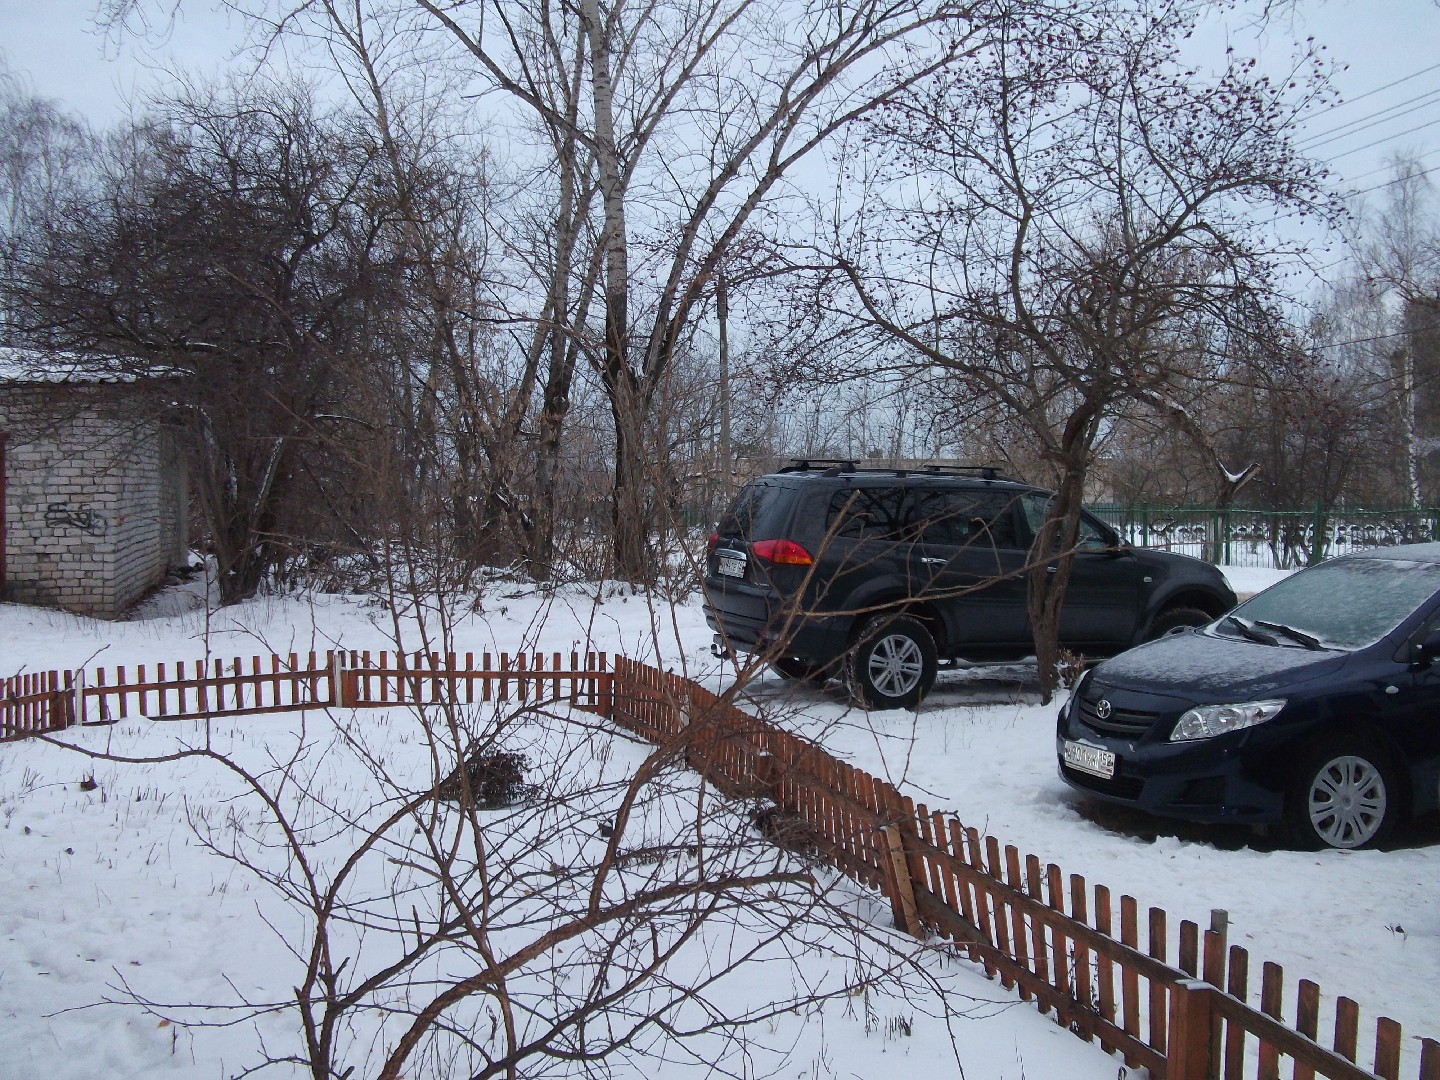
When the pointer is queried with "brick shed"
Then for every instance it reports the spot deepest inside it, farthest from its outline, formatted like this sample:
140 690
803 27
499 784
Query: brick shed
95 489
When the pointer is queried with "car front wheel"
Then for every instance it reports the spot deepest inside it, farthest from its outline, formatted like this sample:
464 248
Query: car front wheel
1346 797
893 663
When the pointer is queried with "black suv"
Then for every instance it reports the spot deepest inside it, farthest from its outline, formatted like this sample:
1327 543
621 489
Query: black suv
880 575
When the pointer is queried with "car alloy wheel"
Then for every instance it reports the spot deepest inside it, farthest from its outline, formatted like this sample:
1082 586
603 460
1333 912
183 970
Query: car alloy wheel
893 664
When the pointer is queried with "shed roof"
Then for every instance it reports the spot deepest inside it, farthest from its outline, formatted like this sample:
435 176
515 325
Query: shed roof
28 366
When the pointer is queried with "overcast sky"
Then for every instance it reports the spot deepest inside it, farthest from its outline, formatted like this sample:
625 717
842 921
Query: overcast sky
1391 83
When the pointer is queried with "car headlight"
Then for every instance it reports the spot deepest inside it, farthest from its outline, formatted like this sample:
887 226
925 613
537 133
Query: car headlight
1207 721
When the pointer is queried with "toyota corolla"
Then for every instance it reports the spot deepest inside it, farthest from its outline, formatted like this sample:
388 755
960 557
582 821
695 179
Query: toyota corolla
1314 705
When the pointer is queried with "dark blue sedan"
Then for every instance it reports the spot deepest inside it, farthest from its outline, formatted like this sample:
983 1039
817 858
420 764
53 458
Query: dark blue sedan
1315 705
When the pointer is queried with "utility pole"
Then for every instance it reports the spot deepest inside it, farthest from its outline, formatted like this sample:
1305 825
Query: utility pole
722 311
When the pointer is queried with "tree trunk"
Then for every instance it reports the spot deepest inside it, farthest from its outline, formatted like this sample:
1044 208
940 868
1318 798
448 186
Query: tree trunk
1049 577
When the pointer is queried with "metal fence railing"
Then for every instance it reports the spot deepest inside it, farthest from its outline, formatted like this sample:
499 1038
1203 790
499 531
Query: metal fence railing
1282 539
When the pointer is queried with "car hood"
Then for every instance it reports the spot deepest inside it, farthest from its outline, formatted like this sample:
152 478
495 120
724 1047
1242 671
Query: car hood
1206 667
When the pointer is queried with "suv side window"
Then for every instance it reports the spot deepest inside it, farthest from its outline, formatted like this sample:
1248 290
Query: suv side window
1037 506
866 513
964 517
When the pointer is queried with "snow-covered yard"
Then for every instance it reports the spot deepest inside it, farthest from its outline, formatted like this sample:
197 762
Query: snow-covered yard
111 888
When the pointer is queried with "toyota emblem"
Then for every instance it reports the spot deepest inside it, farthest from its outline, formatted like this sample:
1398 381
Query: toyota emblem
1102 709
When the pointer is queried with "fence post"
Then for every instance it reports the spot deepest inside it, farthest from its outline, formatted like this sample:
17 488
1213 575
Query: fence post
75 685
1188 1056
340 697
902 892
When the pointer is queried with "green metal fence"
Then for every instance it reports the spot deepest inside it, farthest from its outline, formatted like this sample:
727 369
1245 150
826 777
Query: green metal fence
1283 539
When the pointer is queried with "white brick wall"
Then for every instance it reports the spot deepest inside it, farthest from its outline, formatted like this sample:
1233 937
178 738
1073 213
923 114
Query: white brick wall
95 497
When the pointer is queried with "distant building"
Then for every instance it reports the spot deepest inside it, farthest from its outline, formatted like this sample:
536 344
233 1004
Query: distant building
94 508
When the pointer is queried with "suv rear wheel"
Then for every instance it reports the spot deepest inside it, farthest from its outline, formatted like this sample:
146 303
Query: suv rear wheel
893 663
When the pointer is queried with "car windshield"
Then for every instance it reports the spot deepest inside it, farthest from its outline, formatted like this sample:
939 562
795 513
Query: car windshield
1347 603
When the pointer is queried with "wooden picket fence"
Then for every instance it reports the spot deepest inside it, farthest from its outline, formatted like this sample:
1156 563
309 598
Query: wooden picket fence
1048 935
36 703
1104 972
390 679
45 702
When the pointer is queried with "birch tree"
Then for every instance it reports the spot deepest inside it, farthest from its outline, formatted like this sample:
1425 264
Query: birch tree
1401 259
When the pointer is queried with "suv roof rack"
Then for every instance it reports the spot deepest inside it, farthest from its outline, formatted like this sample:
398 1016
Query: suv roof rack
985 472
820 464
836 466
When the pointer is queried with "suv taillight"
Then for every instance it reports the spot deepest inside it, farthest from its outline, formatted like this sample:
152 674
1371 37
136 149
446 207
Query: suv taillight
710 544
781 552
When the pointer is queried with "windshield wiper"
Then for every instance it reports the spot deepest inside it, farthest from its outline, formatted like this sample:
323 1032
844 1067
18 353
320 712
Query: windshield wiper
1248 631
1310 641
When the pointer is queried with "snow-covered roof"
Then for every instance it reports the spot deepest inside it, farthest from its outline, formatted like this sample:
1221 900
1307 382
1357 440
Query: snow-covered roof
36 366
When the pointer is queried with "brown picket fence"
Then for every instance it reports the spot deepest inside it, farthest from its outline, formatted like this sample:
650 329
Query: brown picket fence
36 703
1178 1004
202 689
1103 971
420 678
46 702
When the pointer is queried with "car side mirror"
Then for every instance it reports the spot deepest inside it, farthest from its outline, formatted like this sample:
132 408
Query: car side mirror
1427 649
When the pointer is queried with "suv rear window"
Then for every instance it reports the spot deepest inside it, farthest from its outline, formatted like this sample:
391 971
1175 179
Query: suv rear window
748 515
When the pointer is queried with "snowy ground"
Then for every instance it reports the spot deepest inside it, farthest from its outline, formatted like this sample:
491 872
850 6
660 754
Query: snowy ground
108 887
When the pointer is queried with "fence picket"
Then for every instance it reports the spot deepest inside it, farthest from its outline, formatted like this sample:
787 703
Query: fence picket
1104 965
1018 929
1347 1028
1387 1048
1037 926
1238 986
1158 1009
1081 960
1131 978
1429 1060
1307 1021
1059 944
1271 981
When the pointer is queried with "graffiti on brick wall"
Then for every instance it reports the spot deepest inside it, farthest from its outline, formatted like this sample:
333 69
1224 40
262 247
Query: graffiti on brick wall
63 515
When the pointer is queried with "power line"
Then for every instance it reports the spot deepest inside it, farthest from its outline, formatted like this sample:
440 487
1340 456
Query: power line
1345 130
1386 139
1379 89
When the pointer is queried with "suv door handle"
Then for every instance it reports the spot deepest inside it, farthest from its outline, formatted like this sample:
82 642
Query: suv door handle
934 562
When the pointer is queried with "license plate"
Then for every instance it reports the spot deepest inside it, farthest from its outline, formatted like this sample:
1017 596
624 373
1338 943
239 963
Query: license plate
1089 759
730 566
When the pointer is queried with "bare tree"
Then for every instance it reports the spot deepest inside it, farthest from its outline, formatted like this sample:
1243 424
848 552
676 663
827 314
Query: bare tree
1072 233
230 258
45 155
1400 255
668 128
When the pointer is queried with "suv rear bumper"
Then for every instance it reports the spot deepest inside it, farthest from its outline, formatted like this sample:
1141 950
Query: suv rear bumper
751 619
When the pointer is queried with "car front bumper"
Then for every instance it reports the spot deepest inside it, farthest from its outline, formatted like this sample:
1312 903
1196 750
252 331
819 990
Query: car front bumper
1231 779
